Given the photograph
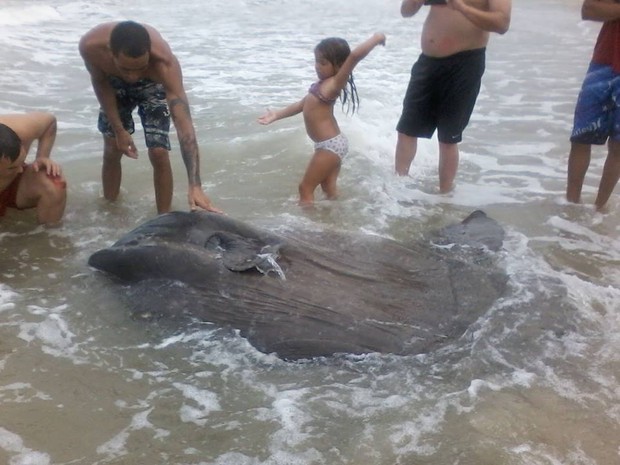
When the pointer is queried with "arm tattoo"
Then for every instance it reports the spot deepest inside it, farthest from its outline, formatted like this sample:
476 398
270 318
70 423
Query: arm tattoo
176 102
189 152
189 146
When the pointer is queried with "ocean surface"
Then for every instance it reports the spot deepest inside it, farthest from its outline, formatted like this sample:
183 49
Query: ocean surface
536 381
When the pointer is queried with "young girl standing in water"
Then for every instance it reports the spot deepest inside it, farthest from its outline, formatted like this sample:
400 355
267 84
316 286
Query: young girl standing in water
334 63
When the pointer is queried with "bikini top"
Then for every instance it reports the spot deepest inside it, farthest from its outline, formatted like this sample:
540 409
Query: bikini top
315 89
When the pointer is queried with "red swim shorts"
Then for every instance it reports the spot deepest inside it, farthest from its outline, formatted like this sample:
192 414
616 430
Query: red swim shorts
9 195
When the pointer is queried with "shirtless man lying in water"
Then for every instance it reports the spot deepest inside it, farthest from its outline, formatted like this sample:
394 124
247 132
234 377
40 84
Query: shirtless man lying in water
39 184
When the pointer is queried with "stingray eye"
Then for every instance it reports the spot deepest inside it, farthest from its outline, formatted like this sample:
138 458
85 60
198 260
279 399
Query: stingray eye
214 242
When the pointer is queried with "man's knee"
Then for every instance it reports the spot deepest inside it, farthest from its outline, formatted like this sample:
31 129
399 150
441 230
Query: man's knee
159 156
613 148
111 152
38 185
448 149
53 187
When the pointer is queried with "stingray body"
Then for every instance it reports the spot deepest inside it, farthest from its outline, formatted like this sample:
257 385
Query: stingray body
317 295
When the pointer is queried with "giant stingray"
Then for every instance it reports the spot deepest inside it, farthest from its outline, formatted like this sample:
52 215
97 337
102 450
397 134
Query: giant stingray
308 295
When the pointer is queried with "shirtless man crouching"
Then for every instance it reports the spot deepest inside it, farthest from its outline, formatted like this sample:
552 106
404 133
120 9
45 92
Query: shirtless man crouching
131 65
39 184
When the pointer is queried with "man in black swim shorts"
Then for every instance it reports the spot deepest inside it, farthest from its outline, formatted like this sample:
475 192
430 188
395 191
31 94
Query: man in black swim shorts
131 66
445 80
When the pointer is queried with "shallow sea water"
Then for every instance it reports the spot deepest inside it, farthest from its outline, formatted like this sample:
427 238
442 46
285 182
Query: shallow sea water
534 381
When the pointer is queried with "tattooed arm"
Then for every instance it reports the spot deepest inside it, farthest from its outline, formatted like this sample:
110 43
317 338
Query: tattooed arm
180 112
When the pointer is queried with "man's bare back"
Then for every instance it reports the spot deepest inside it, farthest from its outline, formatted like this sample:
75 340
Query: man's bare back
95 49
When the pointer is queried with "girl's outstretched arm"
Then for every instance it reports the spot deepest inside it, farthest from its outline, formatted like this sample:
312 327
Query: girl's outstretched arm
357 54
274 115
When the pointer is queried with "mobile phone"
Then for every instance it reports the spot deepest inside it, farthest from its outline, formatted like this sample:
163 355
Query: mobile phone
434 2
